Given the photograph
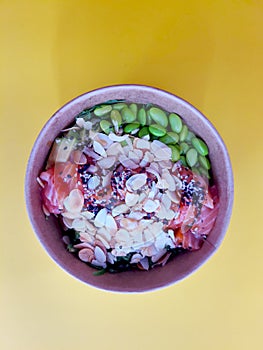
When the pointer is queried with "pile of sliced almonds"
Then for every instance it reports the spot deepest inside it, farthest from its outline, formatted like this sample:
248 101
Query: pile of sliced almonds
136 223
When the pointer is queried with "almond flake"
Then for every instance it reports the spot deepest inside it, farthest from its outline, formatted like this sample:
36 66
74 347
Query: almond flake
106 163
99 254
134 157
104 140
110 224
114 149
127 163
174 196
99 149
103 241
117 138
160 150
128 224
122 236
137 215
135 182
100 218
142 144
120 209
169 180
131 199
147 159
136 258
150 206
86 254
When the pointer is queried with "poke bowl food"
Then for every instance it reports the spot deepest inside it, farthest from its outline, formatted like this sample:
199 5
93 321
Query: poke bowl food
131 188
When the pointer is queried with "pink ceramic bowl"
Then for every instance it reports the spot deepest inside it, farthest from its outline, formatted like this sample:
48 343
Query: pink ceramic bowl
48 231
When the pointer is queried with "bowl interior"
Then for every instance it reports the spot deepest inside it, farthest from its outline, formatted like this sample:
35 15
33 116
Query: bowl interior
48 231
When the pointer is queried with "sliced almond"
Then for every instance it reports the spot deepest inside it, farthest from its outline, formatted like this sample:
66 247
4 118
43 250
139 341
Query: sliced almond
110 224
89 152
158 255
148 236
87 215
104 233
136 258
166 201
160 150
169 180
138 152
86 254
120 209
100 218
103 241
104 140
136 182
114 149
142 144
117 138
99 254
150 205
98 148
131 199
174 196
137 215
134 157
122 236
127 163
147 159
106 163
128 224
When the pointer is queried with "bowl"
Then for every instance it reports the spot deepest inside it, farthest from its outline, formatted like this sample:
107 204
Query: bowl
49 231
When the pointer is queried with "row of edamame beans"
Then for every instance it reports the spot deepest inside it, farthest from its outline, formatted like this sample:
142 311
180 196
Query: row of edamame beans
142 120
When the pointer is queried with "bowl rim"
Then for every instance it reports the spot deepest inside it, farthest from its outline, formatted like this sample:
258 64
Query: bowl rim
127 87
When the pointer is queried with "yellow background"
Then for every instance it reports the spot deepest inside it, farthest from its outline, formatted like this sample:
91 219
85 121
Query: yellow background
208 52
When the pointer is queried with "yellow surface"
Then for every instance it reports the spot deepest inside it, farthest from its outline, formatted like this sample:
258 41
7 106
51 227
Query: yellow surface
208 52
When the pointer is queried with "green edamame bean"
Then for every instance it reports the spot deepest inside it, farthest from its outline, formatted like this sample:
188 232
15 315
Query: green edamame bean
142 116
106 126
102 110
116 117
119 106
184 147
204 162
131 127
175 122
143 132
195 170
170 137
175 153
134 108
159 116
157 130
128 115
183 161
204 172
189 136
183 133
200 146
191 157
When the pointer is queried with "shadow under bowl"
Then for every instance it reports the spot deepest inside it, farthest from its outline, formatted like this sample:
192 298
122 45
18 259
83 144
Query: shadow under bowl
49 231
